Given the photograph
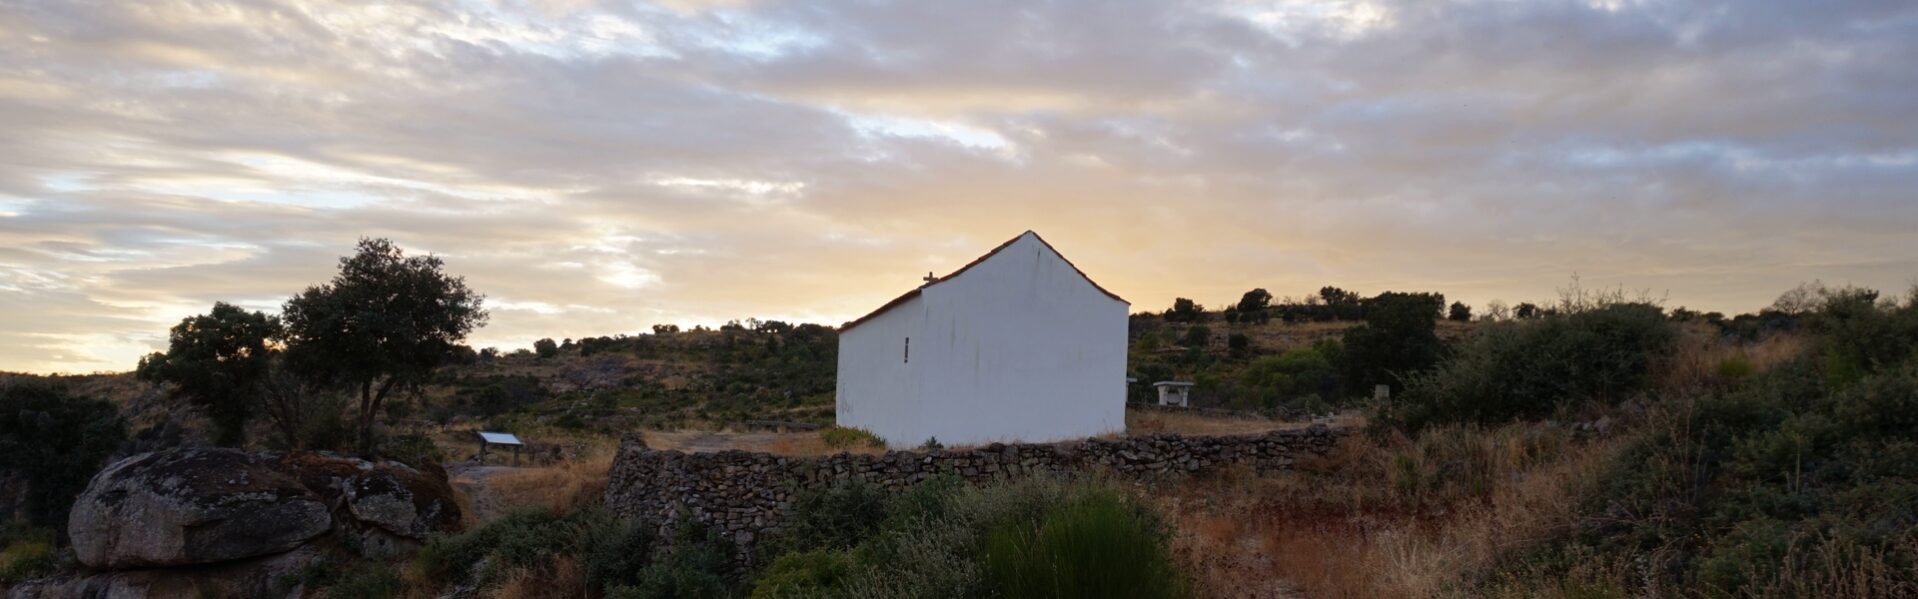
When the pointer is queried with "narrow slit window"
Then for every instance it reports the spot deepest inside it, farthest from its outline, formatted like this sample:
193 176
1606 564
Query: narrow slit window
908 356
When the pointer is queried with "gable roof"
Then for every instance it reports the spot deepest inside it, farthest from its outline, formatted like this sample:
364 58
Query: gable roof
975 262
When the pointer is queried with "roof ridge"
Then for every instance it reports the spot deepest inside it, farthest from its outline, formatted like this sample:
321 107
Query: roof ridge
975 262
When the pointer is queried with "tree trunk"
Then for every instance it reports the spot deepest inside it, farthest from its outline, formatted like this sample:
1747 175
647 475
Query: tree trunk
369 408
285 407
366 422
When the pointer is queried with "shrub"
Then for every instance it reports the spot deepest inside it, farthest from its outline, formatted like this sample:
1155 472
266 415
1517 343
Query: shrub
617 559
935 541
1459 312
1238 342
1527 369
1799 482
815 573
1196 336
527 539
367 580
838 517
1735 368
1185 310
413 449
1857 333
1305 371
26 560
321 422
1399 338
56 441
1095 545
840 437
699 566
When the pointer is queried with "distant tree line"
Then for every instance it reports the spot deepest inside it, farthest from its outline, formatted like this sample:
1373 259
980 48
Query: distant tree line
1259 306
1395 339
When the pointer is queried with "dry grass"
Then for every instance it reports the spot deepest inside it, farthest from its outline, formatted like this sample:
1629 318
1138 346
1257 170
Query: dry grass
1704 360
559 487
1191 423
803 443
1419 517
565 578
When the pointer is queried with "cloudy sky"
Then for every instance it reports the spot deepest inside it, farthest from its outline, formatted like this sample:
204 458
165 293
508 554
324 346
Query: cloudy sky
598 167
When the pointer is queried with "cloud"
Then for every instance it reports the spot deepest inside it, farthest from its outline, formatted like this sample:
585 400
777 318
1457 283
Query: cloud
596 168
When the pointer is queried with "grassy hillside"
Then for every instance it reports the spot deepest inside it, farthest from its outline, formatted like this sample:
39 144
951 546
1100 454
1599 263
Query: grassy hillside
1603 449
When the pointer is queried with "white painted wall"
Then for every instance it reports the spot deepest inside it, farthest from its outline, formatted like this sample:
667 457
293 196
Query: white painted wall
876 389
1018 348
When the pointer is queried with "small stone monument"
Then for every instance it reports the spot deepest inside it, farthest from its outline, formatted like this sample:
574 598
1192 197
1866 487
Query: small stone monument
1174 393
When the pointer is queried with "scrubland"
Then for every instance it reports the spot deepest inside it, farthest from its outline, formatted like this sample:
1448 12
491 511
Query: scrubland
1602 447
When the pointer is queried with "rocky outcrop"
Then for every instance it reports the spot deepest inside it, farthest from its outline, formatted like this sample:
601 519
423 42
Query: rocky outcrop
745 495
387 506
263 577
194 522
200 506
404 501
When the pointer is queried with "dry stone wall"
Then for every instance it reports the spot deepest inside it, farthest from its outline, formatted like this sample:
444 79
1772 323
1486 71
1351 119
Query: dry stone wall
745 495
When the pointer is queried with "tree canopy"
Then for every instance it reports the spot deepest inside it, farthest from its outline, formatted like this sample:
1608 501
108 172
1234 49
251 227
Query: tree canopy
1185 310
56 441
387 320
1398 338
217 360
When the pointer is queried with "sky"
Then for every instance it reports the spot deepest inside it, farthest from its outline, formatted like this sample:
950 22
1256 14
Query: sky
595 168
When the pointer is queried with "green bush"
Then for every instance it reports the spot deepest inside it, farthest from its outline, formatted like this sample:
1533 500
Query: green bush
1800 482
1528 369
840 437
936 540
56 441
1735 368
838 517
413 449
816 573
1095 546
1399 338
1196 336
1238 343
322 423
522 539
618 558
1312 371
367 580
699 566
27 559
1185 310
1857 333
622 559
